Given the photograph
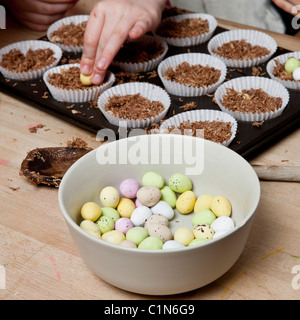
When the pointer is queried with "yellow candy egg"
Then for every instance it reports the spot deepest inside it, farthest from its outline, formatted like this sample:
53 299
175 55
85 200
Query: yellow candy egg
186 202
91 228
220 206
125 207
90 211
184 235
113 236
85 80
203 203
109 197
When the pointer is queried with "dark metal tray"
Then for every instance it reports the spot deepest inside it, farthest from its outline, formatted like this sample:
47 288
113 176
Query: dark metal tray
248 142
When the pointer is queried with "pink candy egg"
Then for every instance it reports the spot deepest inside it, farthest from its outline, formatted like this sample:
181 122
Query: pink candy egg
129 188
138 203
123 225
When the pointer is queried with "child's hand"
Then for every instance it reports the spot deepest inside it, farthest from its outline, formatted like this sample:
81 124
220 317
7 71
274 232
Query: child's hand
290 6
109 25
39 14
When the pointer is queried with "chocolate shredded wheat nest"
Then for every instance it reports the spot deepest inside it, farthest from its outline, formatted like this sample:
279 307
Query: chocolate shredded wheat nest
193 76
191 27
279 72
250 101
16 61
241 50
69 34
133 107
216 131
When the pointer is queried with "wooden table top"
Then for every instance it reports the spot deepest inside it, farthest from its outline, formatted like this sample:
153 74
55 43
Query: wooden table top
38 259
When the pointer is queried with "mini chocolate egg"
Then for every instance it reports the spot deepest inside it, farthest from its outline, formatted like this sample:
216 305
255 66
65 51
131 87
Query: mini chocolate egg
137 234
127 244
110 212
151 243
173 244
296 74
125 207
129 188
291 64
204 217
157 218
185 202
91 228
113 236
137 203
203 202
158 230
153 179
140 215
220 206
105 224
109 197
86 80
123 225
197 241
148 196
90 211
169 196
180 183
184 236
163 208
222 225
203 231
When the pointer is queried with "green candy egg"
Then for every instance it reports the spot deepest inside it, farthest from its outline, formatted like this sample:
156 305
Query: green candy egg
180 183
153 179
204 217
197 241
291 65
137 234
105 224
169 196
151 243
110 212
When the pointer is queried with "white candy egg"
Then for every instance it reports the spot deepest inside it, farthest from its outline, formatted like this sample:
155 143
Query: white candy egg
163 208
222 225
140 215
296 74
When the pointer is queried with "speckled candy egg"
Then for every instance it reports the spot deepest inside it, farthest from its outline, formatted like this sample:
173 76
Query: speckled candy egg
220 206
148 196
125 207
129 188
105 224
157 218
123 225
163 208
91 228
153 179
109 197
140 215
180 183
203 231
110 212
185 203
158 230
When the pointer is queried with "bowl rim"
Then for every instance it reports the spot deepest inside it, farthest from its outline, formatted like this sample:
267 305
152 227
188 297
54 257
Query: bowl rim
74 225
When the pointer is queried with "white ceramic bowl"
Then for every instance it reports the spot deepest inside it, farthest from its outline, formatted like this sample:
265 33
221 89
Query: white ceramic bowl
171 271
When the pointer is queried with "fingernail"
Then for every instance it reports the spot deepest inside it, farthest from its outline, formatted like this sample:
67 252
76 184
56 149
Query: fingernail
85 69
97 79
101 64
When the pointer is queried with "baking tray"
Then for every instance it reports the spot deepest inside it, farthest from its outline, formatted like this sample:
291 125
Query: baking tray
249 141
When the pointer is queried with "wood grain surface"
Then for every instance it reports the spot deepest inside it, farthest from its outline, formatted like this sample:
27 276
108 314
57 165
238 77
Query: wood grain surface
38 259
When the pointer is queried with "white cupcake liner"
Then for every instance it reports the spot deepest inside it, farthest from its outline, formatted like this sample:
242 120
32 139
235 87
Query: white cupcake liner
76 96
191 41
143 66
294 85
271 87
179 89
66 21
251 36
147 90
24 46
202 115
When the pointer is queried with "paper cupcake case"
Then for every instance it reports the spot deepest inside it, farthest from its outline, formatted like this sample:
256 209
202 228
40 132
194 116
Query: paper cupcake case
202 115
66 21
294 85
179 89
24 46
191 41
251 36
144 66
147 90
271 87
76 96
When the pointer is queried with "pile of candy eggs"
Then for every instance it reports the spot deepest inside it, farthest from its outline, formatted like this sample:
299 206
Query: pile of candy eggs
137 215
